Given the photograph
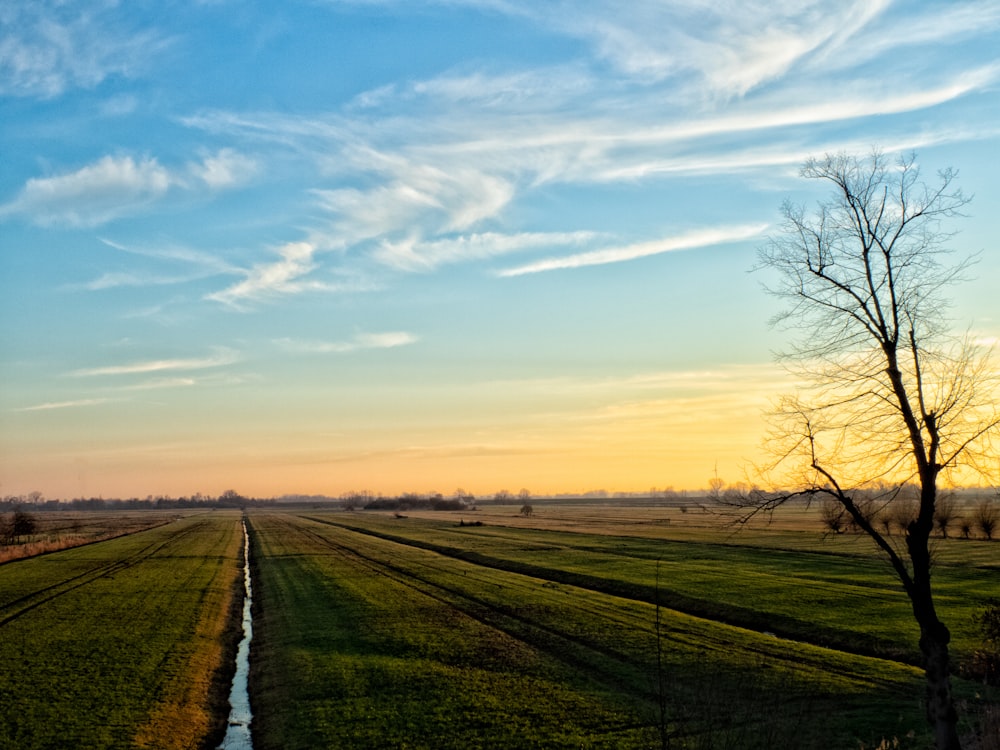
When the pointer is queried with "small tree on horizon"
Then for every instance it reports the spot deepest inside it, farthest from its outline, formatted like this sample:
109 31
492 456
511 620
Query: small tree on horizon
892 401
22 524
987 518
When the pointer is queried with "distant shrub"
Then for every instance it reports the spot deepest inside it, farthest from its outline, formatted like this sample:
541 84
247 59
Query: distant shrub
447 504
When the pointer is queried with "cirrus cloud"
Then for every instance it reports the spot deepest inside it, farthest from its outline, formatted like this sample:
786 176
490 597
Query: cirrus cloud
226 168
47 48
361 341
687 241
109 188
116 186
221 357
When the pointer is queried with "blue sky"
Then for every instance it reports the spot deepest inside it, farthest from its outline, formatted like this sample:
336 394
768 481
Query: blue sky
332 246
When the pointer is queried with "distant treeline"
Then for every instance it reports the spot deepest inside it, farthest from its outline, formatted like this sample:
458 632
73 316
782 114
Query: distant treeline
228 499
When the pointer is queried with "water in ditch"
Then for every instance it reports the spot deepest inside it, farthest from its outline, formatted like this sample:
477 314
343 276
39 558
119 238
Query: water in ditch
238 732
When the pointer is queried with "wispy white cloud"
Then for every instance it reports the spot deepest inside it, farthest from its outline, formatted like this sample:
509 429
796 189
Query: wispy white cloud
454 166
416 194
724 48
220 358
163 383
197 265
78 403
283 276
413 163
115 279
95 194
175 253
727 47
117 186
525 90
566 148
688 241
929 25
224 169
413 254
47 48
361 341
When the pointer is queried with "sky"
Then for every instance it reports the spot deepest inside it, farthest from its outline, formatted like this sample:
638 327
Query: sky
326 246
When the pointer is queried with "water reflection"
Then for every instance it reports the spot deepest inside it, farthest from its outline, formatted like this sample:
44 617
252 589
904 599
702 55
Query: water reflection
238 732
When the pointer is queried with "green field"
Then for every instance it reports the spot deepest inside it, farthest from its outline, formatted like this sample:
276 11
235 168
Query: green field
121 643
376 631
579 627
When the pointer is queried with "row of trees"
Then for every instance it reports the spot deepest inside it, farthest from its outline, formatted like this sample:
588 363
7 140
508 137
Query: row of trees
458 500
228 499
982 519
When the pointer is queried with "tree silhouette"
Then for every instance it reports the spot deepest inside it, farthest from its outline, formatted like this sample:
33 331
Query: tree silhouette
891 401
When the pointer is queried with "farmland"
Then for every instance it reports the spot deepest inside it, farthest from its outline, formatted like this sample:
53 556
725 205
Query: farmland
597 626
380 631
123 642
61 530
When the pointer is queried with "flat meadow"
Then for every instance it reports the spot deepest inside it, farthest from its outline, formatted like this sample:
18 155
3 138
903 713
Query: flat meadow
590 626
124 642
64 529
577 625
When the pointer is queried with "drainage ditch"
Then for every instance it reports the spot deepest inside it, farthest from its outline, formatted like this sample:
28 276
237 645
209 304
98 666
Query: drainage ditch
238 731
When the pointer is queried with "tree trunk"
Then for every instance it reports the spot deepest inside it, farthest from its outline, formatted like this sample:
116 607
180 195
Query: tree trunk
934 634
941 711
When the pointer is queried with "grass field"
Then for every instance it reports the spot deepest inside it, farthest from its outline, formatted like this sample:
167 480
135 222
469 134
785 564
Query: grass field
378 631
589 626
792 582
64 529
120 643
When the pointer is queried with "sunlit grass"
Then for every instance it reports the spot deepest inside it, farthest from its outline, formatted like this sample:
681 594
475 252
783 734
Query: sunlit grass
392 643
815 593
119 644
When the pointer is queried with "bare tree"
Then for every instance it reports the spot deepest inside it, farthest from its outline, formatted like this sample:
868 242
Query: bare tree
890 400
986 518
834 516
944 514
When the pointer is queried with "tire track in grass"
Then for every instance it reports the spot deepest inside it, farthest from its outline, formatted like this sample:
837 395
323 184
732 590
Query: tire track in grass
529 630
775 625
573 650
765 646
553 659
617 666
